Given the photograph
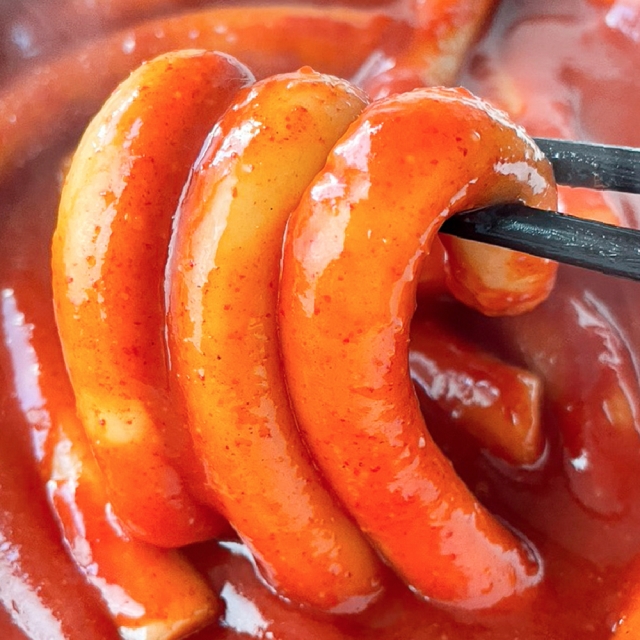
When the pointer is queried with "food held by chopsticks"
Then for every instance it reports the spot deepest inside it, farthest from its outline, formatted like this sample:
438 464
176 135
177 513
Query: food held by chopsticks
235 268
573 240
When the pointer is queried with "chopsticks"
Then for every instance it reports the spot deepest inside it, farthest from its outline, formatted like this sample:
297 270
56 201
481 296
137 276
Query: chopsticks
549 234
594 166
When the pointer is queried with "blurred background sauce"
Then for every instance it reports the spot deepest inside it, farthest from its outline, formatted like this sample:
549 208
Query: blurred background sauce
565 68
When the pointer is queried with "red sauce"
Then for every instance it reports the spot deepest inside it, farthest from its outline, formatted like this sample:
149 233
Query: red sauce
561 68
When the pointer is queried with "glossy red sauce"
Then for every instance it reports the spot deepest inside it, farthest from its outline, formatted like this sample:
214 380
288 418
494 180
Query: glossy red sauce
564 68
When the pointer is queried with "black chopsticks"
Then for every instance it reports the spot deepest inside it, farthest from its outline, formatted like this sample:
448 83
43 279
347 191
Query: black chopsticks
594 166
549 234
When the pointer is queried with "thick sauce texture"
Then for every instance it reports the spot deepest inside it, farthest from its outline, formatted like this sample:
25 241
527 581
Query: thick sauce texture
567 68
